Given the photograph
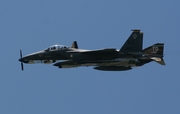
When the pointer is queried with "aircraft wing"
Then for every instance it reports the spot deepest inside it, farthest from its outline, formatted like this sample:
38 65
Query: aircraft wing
99 65
111 50
101 54
95 51
71 64
77 63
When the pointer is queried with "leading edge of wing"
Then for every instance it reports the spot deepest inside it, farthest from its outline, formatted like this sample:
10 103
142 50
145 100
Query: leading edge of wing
108 50
94 51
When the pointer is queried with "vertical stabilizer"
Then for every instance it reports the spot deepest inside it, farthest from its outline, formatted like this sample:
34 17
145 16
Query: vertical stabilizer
74 45
133 43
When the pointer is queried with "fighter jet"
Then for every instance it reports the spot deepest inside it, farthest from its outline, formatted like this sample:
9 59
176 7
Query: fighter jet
108 59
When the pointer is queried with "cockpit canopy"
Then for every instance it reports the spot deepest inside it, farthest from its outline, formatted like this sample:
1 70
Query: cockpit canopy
56 47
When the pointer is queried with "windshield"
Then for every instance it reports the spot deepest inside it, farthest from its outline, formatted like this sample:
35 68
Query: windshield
56 47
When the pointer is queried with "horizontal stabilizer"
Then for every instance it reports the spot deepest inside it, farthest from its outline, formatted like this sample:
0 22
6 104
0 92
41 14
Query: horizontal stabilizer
155 49
159 60
156 58
155 52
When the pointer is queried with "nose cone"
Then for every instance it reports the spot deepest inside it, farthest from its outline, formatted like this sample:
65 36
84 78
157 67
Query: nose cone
32 57
21 60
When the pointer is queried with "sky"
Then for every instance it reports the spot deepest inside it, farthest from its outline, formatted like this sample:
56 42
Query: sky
95 24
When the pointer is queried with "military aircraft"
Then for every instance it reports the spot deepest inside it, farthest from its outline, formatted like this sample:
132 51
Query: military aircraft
108 59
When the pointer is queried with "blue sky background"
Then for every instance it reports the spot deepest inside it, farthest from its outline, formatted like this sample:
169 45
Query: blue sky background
44 89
